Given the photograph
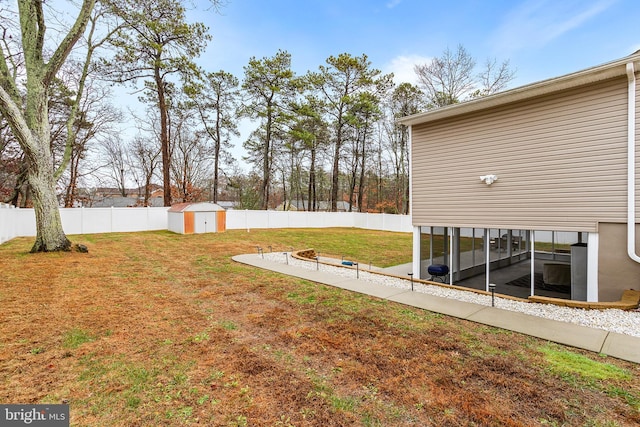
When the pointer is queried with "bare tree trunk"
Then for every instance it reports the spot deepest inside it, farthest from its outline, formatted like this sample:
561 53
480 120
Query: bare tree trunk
147 191
292 185
380 180
312 195
164 138
335 173
49 233
50 236
352 178
32 131
31 125
362 171
71 195
266 164
285 206
21 187
299 190
216 158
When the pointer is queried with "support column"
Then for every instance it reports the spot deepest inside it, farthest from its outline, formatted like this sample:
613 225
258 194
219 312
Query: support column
487 258
417 255
430 245
533 262
593 240
450 250
456 267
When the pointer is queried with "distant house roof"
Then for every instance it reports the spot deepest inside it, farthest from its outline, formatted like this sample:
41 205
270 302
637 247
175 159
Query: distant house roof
125 202
227 204
116 202
196 207
598 73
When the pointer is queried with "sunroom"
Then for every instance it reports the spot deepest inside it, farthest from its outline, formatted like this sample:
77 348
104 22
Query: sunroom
518 263
533 190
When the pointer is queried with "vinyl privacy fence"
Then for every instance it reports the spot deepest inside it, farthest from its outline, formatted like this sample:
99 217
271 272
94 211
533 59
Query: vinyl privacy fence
21 222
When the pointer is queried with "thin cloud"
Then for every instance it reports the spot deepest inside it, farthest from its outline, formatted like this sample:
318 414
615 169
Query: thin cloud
402 68
536 23
393 3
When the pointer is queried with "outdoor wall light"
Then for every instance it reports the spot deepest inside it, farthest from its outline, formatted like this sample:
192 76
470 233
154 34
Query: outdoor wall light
489 179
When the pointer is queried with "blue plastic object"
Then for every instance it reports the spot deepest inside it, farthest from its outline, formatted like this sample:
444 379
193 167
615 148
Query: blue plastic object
438 271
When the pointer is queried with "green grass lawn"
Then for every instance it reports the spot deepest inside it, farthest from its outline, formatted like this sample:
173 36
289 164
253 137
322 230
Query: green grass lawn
157 328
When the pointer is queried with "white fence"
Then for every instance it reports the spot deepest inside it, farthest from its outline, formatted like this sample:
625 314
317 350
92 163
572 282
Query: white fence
8 222
21 222
279 219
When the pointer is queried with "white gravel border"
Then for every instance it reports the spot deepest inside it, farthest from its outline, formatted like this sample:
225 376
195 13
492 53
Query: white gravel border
612 320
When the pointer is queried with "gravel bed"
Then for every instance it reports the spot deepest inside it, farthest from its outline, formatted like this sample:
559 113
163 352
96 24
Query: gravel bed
612 320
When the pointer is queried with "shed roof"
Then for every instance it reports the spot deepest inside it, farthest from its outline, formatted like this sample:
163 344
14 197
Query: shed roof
605 71
196 207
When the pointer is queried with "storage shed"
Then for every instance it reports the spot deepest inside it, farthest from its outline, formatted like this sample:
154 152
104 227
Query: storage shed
189 218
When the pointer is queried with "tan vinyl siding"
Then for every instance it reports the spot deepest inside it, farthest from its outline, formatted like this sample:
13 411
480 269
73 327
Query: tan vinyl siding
617 271
560 161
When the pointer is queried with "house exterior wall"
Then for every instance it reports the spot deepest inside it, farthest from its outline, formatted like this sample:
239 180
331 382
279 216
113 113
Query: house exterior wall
617 271
560 161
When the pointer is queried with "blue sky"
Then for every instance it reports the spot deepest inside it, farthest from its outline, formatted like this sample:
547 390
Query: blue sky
540 38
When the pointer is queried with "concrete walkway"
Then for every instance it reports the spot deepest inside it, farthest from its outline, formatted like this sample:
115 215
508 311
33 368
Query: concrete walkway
617 345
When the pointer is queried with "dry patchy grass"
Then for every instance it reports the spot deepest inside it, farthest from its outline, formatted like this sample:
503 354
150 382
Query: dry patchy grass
152 329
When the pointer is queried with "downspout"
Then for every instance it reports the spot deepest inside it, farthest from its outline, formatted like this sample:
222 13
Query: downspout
416 257
631 164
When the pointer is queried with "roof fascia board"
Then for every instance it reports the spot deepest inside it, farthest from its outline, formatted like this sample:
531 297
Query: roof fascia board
591 75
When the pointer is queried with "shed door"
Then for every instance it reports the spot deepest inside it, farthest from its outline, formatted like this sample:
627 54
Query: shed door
188 222
205 222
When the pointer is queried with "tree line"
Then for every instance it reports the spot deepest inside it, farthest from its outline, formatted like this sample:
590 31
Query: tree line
324 140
